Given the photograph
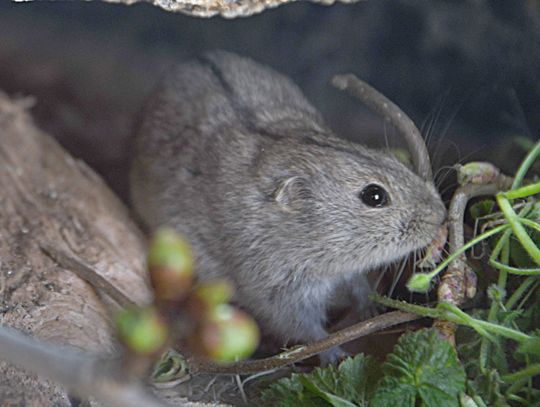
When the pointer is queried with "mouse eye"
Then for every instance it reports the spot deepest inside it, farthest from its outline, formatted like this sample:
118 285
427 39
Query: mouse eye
374 195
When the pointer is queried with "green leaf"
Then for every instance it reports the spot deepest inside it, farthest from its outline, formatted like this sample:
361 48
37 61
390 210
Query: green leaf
392 392
423 368
359 377
333 400
520 257
289 392
482 208
350 384
487 387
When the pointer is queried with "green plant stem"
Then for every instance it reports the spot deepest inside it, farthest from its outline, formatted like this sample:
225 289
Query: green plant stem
518 399
531 224
525 165
503 240
487 326
522 374
466 247
465 319
523 192
515 270
520 232
528 295
452 313
517 386
520 291
503 246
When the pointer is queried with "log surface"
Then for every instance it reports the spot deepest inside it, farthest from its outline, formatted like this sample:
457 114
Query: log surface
47 197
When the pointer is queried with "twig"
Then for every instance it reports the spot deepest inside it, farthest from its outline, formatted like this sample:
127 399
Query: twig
198 365
390 111
85 375
87 273
453 285
297 354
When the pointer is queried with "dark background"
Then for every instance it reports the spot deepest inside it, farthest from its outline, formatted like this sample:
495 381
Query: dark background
467 72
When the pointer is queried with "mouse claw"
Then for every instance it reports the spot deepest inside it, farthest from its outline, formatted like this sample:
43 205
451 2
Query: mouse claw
333 356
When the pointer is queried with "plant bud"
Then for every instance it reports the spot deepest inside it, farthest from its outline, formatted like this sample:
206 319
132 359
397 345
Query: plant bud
142 330
227 334
170 263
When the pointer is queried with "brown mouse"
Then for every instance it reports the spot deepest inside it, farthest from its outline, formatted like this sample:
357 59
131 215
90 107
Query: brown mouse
232 155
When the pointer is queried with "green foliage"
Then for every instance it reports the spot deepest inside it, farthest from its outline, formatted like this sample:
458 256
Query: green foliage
351 384
482 209
423 368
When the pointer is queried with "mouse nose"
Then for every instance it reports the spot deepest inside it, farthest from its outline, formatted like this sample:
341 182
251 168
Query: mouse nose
436 212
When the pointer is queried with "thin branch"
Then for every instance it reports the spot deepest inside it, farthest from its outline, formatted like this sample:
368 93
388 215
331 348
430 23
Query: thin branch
85 375
198 365
88 274
380 104
454 282
297 354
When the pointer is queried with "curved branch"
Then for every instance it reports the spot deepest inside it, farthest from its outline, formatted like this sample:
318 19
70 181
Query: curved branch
454 282
297 354
381 105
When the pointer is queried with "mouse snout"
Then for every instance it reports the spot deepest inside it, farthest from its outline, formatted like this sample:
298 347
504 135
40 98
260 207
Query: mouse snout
433 210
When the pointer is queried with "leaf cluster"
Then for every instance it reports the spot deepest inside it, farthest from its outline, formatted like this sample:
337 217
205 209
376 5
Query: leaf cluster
423 369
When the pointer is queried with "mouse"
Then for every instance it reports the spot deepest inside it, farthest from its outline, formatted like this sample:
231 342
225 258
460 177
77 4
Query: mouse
229 153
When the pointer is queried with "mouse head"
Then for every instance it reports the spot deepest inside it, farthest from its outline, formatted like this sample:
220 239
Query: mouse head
349 207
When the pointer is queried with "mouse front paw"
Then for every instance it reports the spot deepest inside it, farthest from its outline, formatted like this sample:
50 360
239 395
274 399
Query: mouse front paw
333 356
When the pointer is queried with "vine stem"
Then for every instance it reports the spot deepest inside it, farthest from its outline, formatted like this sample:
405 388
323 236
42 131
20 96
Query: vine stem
524 167
452 287
520 232
523 374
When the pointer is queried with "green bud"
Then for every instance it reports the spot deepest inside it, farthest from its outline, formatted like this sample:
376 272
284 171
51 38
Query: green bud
476 173
214 293
228 334
170 263
142 330
419 283
496 293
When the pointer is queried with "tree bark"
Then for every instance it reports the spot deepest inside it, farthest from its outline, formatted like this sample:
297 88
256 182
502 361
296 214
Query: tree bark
50 198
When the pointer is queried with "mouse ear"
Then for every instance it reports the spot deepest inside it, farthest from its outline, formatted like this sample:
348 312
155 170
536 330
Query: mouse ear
291 193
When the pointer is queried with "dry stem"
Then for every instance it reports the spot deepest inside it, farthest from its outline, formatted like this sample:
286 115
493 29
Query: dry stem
348 334
452 287
380 104
88 274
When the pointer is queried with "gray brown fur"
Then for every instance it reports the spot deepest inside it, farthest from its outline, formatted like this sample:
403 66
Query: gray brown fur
233 156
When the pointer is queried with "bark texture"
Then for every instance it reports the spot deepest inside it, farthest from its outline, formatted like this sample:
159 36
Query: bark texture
47 197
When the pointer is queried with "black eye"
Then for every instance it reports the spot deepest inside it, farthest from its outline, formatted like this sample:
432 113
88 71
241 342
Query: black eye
374 196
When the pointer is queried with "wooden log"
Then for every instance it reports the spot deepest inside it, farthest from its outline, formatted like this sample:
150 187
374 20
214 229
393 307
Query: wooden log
49 198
